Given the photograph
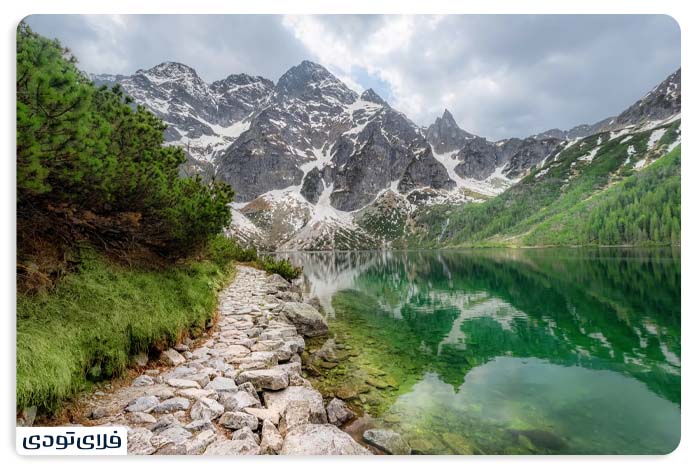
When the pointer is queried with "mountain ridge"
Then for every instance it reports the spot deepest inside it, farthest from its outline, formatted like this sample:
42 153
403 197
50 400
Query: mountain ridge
309 149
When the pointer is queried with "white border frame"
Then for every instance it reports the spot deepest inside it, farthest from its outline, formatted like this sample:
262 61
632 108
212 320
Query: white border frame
13 12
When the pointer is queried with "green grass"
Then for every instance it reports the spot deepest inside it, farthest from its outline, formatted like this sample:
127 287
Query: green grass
97 318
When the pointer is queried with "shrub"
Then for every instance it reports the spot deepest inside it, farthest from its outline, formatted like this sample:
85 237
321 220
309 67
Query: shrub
280 266
223 250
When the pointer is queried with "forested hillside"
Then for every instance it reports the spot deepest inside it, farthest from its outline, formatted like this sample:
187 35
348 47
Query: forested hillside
606 189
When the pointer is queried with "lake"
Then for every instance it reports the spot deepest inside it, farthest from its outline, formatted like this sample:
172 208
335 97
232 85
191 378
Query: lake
541 351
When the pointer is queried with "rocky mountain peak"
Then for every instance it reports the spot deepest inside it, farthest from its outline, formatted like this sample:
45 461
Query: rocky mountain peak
371 96
169 70
445 135
242 79
448 119
309 79
662 102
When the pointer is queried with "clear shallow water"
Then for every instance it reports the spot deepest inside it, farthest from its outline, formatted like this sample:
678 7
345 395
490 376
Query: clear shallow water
510 351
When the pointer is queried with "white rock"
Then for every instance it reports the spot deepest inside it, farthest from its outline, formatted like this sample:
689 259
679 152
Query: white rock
271 440
264 414
222 446
183 383
172 357
320 439
198 444
206 408
265 379
140 442
143 381
222 384
277 401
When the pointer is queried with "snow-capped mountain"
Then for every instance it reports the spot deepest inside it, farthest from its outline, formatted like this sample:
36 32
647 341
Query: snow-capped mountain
202 118
317 166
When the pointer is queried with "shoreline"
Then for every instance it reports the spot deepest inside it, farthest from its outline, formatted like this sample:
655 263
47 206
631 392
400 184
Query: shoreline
237 390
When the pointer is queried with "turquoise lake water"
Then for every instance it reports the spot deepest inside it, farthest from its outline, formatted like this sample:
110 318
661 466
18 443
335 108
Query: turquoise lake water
506 351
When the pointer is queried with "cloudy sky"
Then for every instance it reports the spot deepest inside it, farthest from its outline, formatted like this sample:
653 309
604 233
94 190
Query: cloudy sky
500 76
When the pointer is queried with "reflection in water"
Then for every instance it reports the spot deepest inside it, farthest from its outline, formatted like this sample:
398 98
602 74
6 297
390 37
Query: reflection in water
534 351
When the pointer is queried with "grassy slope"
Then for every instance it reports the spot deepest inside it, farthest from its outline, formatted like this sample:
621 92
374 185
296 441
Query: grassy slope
567 181
569 227
91 324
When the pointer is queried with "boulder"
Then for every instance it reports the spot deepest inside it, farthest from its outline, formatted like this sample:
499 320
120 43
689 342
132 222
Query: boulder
172 357
144 404
198 444
245 433
265 379
141 418
172 404
278 401
264 414
199 425
143 381
389 441
296 414
249 388
174 434
196 393
238 401
320 439
182 383
206 409
338 412
165 422
307 320
223 446
278 282
238 420
222 384
140 442
271 440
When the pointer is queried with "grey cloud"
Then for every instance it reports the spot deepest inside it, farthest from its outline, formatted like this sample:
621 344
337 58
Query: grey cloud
500 76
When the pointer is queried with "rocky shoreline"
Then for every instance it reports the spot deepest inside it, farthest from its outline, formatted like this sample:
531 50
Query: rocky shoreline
241 392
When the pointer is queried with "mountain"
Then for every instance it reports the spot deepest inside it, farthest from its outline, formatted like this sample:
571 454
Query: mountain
616 187
202 118
317 166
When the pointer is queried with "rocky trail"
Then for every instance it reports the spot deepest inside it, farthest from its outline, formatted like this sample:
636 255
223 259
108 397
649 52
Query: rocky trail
241 391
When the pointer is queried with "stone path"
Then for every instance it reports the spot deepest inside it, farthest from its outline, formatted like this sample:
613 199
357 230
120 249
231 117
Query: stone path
241 392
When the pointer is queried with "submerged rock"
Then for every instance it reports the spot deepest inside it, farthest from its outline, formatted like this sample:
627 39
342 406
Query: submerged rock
389 441
320 439
338 412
